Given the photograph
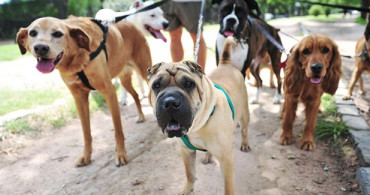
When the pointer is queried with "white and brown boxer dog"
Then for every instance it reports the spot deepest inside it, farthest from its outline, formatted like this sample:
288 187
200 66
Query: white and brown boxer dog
252 44
187 104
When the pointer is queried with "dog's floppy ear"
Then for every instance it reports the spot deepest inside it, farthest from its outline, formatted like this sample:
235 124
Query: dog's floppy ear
82 39
334 72
293 73
194 67
153 70
21 39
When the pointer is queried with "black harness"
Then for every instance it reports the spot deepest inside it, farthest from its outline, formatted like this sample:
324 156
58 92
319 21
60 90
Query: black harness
94 54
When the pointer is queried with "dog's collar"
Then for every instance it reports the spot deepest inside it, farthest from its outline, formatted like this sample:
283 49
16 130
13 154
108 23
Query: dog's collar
185 138
93 55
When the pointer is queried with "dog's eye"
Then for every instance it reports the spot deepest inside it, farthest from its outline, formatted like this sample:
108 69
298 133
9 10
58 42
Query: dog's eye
189 85
156 85
306 51
325 50
33 33
57 34
153 16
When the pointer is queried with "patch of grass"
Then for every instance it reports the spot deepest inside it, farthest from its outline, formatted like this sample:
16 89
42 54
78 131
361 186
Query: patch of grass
328 123
50 119
360 20
12 100
9 52
18 126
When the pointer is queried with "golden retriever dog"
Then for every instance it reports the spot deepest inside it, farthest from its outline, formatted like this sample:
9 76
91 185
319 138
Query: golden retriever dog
362 63
313 68
88 55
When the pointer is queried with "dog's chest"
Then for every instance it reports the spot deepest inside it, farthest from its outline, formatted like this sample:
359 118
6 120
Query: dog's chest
238 54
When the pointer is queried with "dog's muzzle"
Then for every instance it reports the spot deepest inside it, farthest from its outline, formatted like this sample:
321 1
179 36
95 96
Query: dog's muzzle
173 113
316 69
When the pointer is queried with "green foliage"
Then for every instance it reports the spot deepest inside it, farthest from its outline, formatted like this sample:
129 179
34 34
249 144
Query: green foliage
98 99
12 100
328 123
316 10
360 20
9 52
18 126
52 118
90 7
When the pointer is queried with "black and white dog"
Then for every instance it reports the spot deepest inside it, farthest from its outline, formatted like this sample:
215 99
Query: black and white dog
252 44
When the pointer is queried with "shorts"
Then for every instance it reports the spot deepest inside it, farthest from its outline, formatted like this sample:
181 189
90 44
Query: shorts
184 14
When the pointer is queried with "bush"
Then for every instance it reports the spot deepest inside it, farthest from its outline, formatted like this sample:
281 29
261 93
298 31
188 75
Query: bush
316 10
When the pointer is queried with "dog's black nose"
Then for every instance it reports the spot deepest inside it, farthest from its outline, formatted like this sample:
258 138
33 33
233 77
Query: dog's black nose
316 68
165 25
231 21
41 49
171 103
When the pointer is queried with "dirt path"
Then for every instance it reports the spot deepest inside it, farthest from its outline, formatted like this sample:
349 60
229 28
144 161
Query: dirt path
45 165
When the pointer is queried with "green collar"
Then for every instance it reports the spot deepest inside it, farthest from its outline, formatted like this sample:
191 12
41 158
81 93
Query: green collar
185 138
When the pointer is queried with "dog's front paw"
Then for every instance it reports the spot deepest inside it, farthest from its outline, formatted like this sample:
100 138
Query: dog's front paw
207 158
361 92
245 148
254 101
83 160
286 139
187 190
307 145
346 97
121 155
140 119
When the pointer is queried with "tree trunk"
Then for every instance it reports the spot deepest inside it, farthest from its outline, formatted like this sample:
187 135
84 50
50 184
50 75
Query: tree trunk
62 6
364 4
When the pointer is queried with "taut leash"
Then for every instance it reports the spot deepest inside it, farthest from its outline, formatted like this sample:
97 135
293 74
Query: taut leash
154 5
196 50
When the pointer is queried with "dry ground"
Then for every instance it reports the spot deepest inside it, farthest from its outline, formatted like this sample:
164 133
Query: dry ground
45 164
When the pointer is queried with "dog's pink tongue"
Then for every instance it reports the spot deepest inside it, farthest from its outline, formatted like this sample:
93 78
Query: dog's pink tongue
315 80
45 66
159 35
173 126
228 33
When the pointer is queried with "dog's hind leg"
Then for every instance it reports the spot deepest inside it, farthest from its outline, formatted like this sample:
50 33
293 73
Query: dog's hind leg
188 156
275 59
244 122
82 105
356 75
127 83
361 89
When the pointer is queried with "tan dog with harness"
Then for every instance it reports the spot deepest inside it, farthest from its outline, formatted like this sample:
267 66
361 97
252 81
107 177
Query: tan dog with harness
188 105
88 55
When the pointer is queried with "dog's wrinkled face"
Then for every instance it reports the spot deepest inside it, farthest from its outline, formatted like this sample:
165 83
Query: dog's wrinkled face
175 95
233 17
46 39
151 21
315 53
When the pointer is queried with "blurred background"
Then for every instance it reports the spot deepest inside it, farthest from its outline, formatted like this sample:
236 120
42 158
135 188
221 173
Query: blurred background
20 13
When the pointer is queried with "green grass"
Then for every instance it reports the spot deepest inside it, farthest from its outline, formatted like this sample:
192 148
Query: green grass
53 118
360 20
9 52
12 100
328 123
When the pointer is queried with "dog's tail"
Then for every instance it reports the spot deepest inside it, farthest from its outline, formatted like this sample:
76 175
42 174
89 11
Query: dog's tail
226 51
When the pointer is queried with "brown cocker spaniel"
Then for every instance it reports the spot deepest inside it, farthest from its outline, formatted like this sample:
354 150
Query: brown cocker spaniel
313 68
